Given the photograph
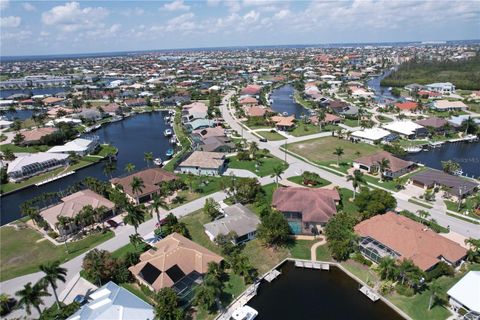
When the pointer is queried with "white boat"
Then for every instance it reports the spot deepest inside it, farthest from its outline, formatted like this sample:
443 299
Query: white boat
116 119
168 132
244 313
413 149
158 162
166 118
285 113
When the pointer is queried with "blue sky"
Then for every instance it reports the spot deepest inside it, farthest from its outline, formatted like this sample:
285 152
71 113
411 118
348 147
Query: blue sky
51 27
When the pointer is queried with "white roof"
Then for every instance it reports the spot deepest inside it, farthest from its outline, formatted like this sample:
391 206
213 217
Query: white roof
371 134
112 302
5 122
28 159
77 145
467 291
404 127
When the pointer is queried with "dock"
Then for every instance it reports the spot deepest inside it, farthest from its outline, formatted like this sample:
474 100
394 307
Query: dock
372 295
312 265
272 275
54 178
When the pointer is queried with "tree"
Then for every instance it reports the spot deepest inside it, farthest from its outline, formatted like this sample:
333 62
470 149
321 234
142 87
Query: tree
338 152
450 166
435 289
31 296
158 202
167 306
53 273
6 303
356 179
129 167
135 216
341 238
373 202
253 149
409 272
211 208
135 240
148 157
18 138
473 253
205 297
423 215
469 126
109 168
277 173
383 165
8 154
85 217
273 229
387 268
172 225
99 266
137 187
321 117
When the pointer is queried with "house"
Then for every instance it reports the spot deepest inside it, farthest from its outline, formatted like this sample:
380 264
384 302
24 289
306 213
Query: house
407 129
112 109
406 106
33 136
248 102
238 219
152 178
399 237
53 112
251 90
414 87
89 113
52 101
71 205
79 146
397 166
255 111
284 123
465 294
307 210
217 144
445 105
217 131
435 123
139 102
175 262
193 111
457 121
200 124
455 186
5 124
441 87
114 302
370 135
30 165
203 163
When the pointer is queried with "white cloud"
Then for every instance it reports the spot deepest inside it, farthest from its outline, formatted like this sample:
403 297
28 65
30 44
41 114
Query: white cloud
28 6
17 36
233 5
10 22
251 16
282 14
176 5
4 4
70 17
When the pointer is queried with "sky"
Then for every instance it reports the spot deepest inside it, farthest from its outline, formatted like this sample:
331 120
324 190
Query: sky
56 27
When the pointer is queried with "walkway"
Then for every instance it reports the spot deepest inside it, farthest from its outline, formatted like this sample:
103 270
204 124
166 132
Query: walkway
313 249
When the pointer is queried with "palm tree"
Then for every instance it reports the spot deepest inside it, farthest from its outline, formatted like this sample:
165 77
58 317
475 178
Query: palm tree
356 179
434 289
148 157
157 203
135 239
99 214
5 302
53 273
137 187
277 173
109 168
338 152
321 117
130 167
387 268
32 296
85 216
383 165
423 215
135 216
253 149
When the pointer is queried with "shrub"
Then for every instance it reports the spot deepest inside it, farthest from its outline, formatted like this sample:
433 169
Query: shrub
441 269
404 290
357 256
52 234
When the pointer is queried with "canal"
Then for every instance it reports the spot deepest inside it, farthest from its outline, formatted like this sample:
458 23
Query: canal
133 137
283 102
4 94
305 294
382 94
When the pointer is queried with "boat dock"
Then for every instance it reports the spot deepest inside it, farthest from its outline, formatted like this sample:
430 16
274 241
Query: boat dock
272 275
372 295
312 265
54 178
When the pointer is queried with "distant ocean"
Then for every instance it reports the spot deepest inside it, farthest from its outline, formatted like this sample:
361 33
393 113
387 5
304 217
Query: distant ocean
232 48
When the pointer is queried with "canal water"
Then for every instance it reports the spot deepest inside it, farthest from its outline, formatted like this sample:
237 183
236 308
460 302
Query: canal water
283 102
133 137
4 94
19 114
305 294
382 94
466 154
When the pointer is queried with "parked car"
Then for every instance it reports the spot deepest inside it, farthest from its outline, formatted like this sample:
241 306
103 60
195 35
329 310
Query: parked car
80 299
263 140
112 223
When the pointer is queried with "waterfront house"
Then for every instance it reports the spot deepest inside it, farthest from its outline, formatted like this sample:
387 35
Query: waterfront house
434 123
5 124
457 121
203 163
33 136
114 302
255 111
200 134
393 235
79 146
71 205
397 167
454 186
409 106
329 119
112 109
30 165
441 87
406 129
217 144
175 262
131 103
251 90
53 112
194 111
152 178
248 102
237 219
446 105
414 87
53 101
200 124
371 135
465 294
307 210
284 123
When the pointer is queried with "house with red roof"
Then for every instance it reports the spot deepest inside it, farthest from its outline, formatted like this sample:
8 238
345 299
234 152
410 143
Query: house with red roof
251 90
406 106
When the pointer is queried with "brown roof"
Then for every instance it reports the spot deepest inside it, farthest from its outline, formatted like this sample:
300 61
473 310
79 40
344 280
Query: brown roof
151 177
411 239
408 105
433 122
283 121
204 159
396 164
217 131
316 205
36 134
174 250
248 100
52 100
251 89
255 111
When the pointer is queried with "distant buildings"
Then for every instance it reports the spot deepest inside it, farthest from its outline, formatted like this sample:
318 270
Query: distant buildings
443 87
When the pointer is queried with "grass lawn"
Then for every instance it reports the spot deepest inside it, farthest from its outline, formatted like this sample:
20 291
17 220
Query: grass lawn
305 103
409 143
299 180
259 206
351 122
271 136
387 184
267 163
300 249
23 251
20 149
323 253
468 206
106 150
321 149
303 129
362 271
418 203
384 119
348 206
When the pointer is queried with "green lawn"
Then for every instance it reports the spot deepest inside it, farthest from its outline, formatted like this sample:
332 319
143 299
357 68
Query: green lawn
266 201
321 149
351 122
348 206
20 149
305 103
23 251
267 163
303 129
323 253
301 249
468 206
387 184
271 136
299 180
361 271
384 119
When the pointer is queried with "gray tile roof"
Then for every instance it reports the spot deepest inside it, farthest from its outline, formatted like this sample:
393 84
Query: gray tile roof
238 218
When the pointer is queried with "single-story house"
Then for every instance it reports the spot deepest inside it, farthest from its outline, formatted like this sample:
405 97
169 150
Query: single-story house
251 90
79 146
29 165
248 102
441 87
139 102
406 128
284 123
370 135
33 136
89 113
445 105
406 106
399 237
217 144
71 205
114 302
203 163
438 124
175 262
307 210
112 109
5 124
217 131
51 101
193 111
329 119
200 124
397 167
255 111
455 186
152 179
53 112
457 121
465 294
238 219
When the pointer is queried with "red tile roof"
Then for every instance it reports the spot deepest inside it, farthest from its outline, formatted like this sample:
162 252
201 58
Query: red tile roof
409 105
